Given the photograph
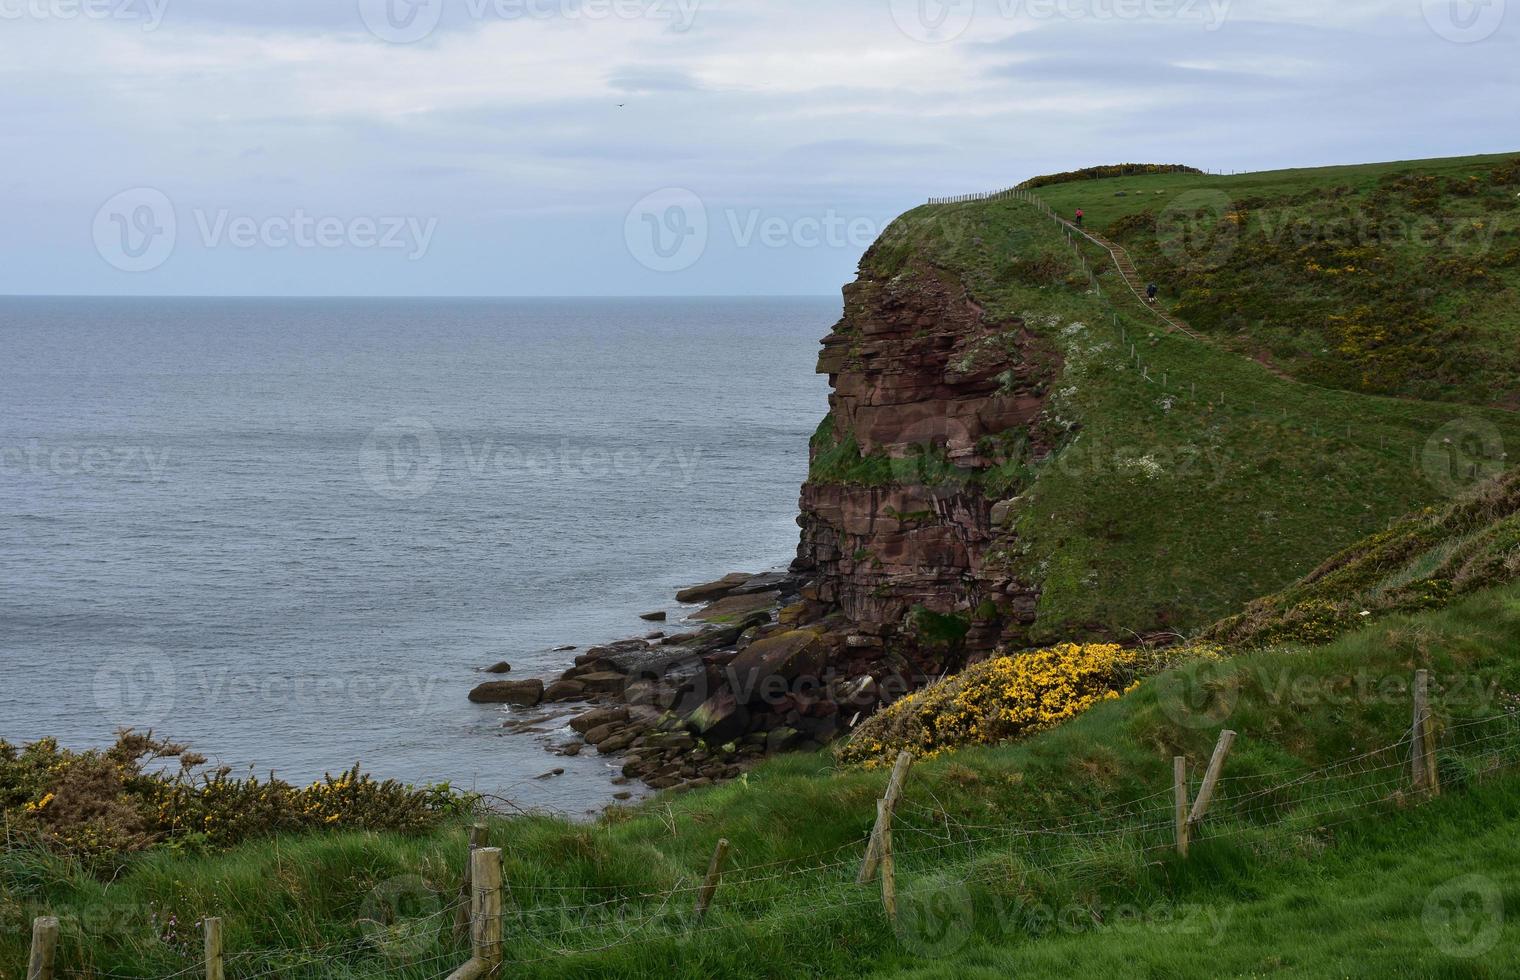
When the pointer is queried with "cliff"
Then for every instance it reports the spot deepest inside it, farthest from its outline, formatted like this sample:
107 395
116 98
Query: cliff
1019 452
933 406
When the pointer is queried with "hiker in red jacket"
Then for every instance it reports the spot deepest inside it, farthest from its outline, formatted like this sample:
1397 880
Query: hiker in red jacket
1079 217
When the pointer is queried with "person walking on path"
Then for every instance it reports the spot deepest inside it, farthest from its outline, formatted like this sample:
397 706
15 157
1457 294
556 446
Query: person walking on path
1150 292
1080 216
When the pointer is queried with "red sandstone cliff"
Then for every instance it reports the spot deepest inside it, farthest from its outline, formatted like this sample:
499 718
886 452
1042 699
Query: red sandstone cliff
937 393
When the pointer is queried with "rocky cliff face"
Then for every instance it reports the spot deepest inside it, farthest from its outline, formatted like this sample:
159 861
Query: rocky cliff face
934 411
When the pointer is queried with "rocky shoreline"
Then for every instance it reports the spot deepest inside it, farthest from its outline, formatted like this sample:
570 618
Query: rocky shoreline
768 669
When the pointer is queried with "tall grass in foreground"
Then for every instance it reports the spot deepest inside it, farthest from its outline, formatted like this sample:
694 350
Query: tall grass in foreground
1071 823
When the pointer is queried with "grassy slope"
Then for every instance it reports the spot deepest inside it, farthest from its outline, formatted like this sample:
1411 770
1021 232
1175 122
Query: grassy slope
1176 502
1294 863
1397 278
1361 912
1419 562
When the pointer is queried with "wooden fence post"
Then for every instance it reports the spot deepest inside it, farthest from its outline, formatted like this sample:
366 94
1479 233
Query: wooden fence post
1422 750
215 970
1180 797
1210 779
894 790
485 908
478 837
44 943
888 867
710 883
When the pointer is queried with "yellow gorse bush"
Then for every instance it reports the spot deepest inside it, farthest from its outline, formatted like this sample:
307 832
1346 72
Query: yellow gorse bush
1007 697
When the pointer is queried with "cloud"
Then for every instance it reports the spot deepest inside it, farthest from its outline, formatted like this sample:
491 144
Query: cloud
507 128
651 78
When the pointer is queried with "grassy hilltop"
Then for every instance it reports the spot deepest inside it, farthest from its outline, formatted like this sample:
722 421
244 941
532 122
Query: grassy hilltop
1189 477
1390 278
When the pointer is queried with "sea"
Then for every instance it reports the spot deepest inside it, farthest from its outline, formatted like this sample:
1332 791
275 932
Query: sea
290 532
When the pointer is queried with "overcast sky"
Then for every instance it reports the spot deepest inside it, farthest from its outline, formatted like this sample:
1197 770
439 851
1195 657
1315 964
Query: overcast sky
619 147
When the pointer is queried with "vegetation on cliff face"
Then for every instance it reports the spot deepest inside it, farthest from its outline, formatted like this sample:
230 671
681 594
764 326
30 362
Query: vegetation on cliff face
1186 479
1420 562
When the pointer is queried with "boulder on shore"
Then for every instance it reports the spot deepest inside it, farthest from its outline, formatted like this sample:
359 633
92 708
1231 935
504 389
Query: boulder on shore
600 716
737 606
713 590
654 617
776 659
523 693
565 690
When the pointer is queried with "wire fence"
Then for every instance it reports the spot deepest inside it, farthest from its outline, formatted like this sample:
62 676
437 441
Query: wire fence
934 842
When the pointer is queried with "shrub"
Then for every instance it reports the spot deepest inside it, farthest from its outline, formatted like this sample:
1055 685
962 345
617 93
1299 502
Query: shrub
1007 697
144 792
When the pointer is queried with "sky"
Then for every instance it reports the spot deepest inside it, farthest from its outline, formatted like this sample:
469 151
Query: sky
660 147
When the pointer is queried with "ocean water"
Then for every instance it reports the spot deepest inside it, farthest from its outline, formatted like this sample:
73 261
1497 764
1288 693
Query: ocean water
289 531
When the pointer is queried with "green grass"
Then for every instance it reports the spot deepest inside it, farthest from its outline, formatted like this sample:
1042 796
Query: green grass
1417 563
1188 478
1393 278
301 905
